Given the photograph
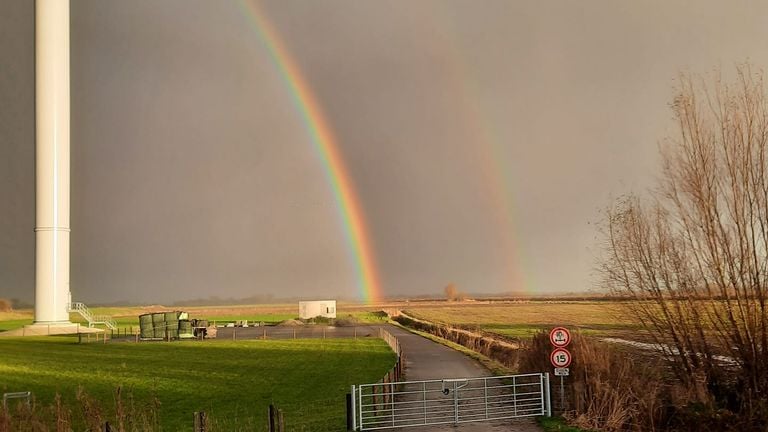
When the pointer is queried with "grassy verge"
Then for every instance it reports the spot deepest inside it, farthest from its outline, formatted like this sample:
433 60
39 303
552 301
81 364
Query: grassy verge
233 382
557 424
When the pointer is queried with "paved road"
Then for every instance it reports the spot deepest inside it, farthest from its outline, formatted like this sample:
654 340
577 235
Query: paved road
426 360
297 332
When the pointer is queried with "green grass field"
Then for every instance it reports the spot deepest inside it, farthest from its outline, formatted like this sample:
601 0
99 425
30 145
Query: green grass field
232 381
127 318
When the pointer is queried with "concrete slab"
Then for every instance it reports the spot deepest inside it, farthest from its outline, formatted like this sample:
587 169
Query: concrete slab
51 330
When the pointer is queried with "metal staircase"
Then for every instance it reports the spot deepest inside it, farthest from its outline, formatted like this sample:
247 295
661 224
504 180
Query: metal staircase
92 319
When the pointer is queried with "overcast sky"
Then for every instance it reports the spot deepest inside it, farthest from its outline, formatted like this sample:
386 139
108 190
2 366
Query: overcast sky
483 138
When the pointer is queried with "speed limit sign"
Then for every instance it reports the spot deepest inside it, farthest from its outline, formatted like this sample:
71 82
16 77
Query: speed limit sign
560 358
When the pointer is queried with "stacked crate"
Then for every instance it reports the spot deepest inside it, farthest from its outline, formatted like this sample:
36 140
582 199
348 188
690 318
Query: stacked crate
161 325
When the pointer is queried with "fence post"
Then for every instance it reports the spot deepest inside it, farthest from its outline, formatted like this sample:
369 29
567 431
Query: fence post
549 397
272 425
353 409
350 411
201 421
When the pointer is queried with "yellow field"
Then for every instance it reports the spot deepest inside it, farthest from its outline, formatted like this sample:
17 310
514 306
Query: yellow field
520 319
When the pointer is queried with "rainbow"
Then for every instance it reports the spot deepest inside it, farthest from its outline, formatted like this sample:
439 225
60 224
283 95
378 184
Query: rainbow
493 155
325 144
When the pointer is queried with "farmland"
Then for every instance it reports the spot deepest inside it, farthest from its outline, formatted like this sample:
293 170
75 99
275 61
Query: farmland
522 319
233 382
513 319
127 317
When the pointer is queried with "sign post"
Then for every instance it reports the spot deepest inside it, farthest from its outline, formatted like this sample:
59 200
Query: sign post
560 358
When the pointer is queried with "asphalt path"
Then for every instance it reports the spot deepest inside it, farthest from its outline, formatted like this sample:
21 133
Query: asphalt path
427 360
295 332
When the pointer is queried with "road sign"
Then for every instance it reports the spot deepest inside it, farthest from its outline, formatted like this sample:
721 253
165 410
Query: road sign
560 358
560 337
562 371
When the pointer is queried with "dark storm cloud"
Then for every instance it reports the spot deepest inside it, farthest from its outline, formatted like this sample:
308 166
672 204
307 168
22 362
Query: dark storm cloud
193 174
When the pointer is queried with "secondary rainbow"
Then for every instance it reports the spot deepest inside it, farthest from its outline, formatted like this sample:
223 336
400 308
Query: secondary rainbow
324 142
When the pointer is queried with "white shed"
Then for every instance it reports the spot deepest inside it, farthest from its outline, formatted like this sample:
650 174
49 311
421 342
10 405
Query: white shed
317 308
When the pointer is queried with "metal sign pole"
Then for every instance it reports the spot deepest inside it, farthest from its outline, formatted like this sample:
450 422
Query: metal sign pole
562 395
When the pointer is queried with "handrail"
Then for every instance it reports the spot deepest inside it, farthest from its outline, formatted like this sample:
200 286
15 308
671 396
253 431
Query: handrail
83 310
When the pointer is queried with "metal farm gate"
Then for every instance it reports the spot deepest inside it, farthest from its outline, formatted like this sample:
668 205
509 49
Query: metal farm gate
449 401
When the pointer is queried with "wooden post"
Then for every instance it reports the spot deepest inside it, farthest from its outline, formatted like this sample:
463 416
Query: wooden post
272 419
200 421
264 334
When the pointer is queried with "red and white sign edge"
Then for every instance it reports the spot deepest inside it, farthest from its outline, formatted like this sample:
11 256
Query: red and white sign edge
559 343
558 351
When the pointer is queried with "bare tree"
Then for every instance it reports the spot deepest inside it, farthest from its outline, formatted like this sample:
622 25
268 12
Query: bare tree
693 256
451 292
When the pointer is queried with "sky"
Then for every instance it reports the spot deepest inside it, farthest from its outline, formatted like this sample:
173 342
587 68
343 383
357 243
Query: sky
483 140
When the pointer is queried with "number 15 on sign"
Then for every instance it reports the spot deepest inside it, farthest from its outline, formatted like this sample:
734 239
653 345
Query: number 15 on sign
560 358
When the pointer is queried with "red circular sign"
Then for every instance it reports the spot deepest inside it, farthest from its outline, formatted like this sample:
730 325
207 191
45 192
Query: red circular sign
560 337
560 358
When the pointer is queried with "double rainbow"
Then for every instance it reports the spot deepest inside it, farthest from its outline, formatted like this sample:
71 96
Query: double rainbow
325 144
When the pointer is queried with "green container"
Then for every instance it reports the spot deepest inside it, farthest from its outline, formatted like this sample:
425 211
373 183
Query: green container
158 318
159 333
146 326
147 331
171 316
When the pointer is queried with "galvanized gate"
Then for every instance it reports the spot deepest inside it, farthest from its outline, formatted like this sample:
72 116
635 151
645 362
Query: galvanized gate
449 401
